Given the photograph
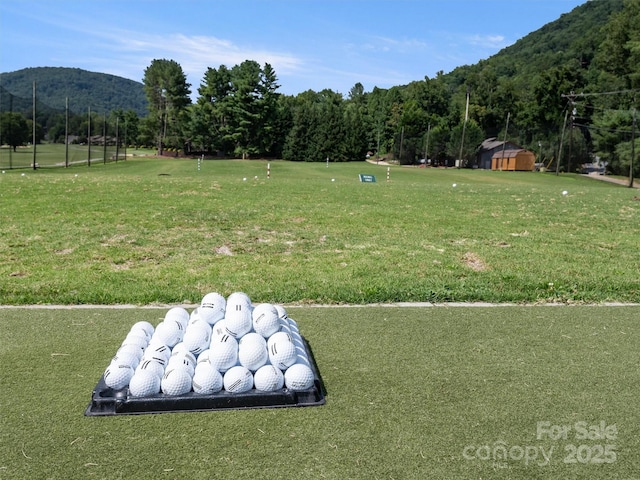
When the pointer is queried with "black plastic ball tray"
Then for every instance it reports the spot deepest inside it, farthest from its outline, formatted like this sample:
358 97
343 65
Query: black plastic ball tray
107 401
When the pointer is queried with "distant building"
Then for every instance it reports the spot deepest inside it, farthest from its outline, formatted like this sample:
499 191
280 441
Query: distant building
516 159
491 146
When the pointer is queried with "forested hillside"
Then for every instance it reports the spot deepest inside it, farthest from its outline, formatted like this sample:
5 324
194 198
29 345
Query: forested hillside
567 91
100 91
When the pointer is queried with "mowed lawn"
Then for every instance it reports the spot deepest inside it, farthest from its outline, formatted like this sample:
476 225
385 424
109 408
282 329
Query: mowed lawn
510 391
435 392
148 231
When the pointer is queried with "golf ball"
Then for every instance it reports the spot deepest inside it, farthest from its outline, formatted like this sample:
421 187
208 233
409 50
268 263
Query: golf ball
144 383
196 340
152 366
282 353
178 314
268 378
564 192
117 375
265 319
169 332
146 327
238 320
298 377
176 382
238 379
212 307
126 358
223 353
252 354
206 379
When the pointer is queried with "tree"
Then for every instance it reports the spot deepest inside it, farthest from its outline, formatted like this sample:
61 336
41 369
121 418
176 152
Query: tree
473 137
14 130
167 91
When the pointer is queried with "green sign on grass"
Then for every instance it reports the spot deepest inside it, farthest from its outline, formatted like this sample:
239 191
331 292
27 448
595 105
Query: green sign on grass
367 178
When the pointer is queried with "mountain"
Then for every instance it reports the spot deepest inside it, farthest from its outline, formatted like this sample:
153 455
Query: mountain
570 41
99 91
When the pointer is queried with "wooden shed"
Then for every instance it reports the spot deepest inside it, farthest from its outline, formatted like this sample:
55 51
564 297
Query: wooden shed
516 160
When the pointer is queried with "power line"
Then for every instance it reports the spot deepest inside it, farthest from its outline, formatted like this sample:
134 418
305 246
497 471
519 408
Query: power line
595 94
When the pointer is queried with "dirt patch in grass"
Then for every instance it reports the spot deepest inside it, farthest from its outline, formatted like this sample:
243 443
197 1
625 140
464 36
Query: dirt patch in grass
474 262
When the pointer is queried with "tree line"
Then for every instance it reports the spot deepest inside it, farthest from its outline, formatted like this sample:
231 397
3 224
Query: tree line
572 84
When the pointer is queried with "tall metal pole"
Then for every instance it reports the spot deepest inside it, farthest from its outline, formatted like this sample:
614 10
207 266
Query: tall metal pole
104 139
117 139
66 132
504 142
633 149
10 129
89 140
564 125
34 136
464 128
426 146
125 137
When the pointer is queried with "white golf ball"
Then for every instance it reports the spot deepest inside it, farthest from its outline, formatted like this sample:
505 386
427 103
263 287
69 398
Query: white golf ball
144 383
238 379
169 332
239 297
212 307
282 313
265 319
152 366
244 179
204 356
178 314
138 338
238 320
282 353
564 192
183 363
146 327
218 329
268 378
298 377
197 339
157 351
223 353
454 185
252 354
176 382
130 348
206 379
126 358
117 375
282 336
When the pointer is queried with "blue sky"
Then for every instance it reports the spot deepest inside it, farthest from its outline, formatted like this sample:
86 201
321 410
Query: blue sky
311 44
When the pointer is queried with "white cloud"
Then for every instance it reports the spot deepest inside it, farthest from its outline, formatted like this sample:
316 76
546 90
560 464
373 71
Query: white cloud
488 41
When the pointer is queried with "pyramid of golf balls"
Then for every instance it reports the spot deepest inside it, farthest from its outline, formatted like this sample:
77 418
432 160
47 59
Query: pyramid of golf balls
223 344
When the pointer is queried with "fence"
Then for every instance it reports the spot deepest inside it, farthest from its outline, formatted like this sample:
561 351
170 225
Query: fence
49 155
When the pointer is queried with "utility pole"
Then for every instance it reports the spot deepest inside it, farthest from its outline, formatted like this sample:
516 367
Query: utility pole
564 125
464 127
633 149
504 142
426 146
66 132
34 136
89 139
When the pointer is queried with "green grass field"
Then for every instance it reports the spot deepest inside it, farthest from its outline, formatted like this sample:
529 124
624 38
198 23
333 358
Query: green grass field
161 231
412 392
